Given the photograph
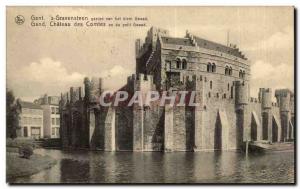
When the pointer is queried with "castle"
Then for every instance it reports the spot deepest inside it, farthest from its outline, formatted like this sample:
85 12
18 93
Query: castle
227 115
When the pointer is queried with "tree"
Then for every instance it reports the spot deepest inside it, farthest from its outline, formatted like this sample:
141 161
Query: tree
12 115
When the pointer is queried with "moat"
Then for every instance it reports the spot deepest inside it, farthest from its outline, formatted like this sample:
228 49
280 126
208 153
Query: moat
176 167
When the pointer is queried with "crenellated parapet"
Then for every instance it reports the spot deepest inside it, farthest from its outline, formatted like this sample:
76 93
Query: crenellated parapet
265 97
192 38
286 105
93 89
254 100
144 83
75 94
283 97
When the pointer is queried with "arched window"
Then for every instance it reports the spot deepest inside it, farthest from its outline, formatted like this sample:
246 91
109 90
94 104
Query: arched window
208 94
184 64
230 70
178 63
210 84
226 70
209 67
213 68
228 87
240 74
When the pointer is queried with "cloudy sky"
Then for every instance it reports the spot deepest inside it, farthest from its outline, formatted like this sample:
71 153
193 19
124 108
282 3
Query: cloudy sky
50 60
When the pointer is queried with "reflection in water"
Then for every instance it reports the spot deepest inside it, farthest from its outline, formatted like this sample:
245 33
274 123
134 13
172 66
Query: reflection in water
177 167
74 170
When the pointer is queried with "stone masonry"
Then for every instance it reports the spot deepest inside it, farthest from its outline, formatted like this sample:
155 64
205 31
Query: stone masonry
226 117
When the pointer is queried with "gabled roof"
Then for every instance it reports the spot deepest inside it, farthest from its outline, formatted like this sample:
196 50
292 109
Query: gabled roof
218 47
177 41
30 105
203 43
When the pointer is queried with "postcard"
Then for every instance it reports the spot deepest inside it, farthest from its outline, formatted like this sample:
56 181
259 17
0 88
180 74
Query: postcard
141 95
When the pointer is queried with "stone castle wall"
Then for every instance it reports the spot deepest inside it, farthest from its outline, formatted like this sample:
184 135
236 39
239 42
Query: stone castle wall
226 117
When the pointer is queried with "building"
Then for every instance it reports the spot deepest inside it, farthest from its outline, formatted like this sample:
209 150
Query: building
31 120
51 121
220 75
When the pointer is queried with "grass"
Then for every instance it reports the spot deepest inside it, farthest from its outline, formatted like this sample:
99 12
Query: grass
17 142
18 167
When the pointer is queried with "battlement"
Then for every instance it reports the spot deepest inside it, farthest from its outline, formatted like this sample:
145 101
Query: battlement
140 77
283 93
265 96
140 82
153 35
92 88
206 44
64 99
254 100
191 37
144 77
284 97
75 94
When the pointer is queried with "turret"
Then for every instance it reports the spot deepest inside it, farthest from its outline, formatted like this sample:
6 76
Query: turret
241 92
86 88
265 97
137 47
243 112
283 97
45 99
79 93
72 98
92 89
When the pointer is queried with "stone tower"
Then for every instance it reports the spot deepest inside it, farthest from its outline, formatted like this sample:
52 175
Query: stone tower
283 97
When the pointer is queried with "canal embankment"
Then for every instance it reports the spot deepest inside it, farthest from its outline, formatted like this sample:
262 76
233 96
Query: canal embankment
16 166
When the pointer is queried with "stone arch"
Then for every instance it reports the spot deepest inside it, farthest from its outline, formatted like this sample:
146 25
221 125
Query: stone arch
275 130
255 125
123 130
65 132
284 133
218 134
76 130
221 139
265 120
291 130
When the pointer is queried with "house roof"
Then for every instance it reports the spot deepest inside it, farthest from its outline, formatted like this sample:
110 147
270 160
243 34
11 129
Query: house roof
177 41
30 105
203 43
218 47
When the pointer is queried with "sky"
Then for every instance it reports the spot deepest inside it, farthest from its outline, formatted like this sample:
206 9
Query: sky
51 59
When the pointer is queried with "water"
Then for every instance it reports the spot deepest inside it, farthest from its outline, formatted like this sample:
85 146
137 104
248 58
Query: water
176 167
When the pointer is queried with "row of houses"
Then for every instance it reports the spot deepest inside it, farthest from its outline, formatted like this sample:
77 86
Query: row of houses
40 119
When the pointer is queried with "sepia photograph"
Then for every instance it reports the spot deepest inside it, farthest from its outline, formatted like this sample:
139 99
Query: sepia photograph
150 95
